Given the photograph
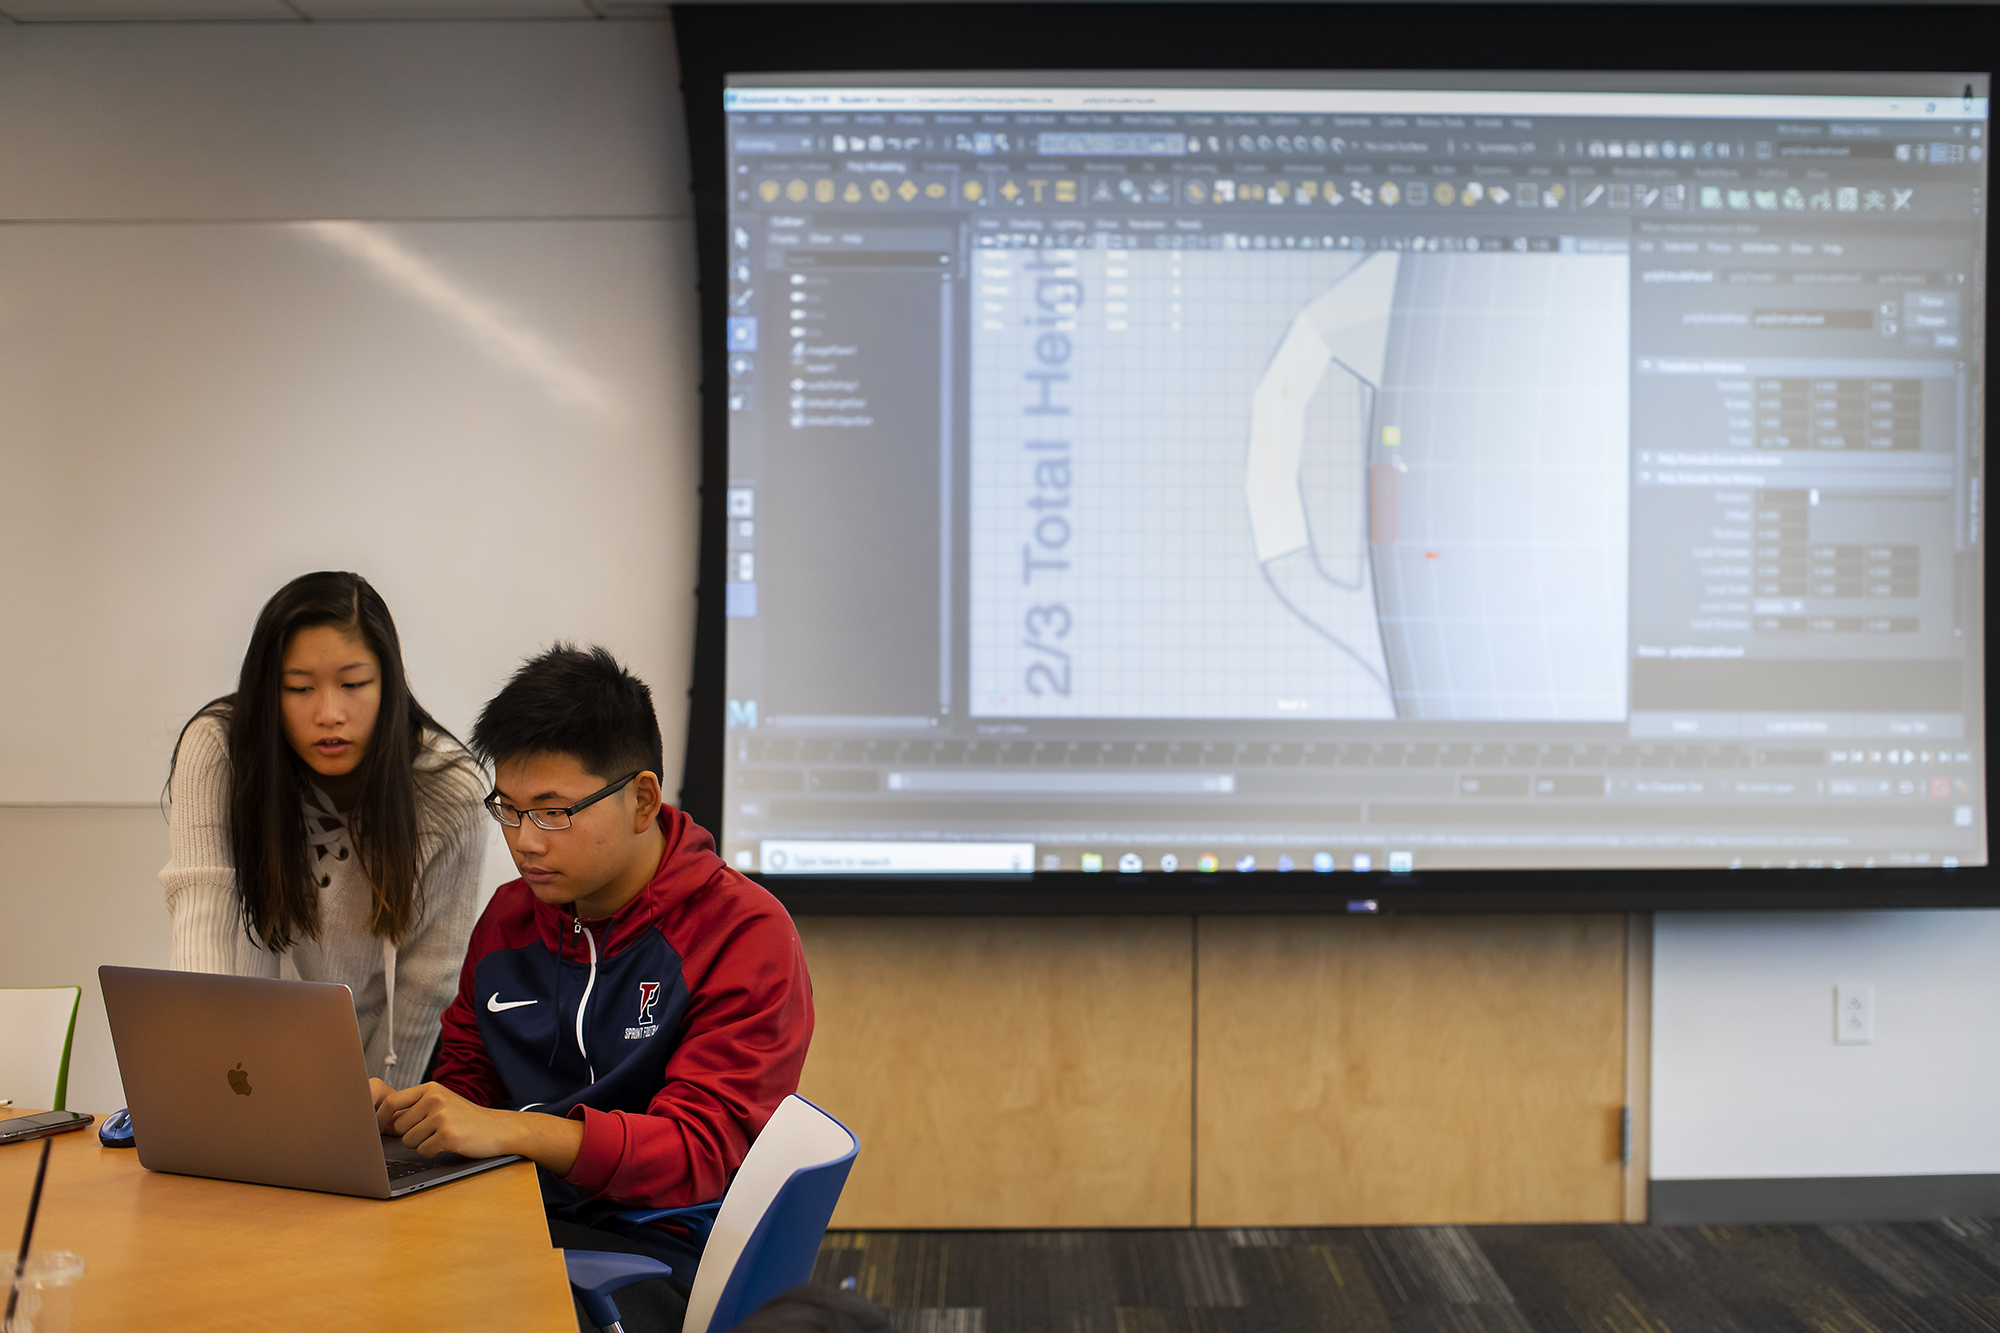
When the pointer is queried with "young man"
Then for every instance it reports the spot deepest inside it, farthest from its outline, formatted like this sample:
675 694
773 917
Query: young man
631 1010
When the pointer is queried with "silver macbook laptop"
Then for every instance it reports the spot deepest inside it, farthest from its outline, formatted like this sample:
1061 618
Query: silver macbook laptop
260 1081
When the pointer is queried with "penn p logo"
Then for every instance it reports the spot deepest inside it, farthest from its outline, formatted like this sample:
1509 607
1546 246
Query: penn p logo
649 995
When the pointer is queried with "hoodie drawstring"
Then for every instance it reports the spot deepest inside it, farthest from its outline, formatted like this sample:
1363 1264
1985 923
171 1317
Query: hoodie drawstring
562 944
584 1003
389 1011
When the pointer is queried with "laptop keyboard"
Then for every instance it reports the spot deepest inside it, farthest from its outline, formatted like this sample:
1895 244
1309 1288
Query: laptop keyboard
401 1167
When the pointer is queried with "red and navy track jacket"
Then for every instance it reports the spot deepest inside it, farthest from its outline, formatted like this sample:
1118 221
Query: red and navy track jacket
672 1029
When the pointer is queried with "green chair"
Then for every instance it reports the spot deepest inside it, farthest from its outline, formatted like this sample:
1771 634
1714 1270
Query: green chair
36 1026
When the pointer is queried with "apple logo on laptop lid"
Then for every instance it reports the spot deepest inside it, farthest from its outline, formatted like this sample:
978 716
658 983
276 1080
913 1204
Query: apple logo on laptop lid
239 1081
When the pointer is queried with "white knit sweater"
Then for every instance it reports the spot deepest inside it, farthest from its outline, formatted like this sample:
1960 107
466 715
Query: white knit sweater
208 930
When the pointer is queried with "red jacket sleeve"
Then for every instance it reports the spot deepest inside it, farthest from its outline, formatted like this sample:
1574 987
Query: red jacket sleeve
463 1065
749 1021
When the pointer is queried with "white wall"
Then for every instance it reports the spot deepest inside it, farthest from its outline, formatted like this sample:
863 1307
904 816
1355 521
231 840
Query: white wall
411 299
1747 1080
78 891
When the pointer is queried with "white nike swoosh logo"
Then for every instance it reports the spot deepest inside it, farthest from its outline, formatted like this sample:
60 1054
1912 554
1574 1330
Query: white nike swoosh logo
493 1005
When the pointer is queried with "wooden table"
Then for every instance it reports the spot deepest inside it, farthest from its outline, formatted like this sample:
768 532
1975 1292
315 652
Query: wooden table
165 1252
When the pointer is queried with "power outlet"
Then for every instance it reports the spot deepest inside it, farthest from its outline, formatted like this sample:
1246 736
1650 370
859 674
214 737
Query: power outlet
1854 1015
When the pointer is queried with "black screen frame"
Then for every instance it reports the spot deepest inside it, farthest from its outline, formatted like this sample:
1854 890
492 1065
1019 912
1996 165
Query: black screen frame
720 39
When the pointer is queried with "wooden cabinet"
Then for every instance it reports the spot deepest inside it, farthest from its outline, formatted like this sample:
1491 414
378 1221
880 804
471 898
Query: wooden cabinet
1006 1071
1409 1070
1225 1071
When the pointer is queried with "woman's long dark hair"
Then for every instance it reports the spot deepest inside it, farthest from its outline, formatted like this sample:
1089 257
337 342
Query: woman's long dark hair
275 881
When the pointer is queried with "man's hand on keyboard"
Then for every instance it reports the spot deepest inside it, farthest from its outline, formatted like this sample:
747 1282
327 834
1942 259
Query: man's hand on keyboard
433 1119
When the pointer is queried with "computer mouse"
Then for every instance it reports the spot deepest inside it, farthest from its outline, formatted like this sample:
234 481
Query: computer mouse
117 1130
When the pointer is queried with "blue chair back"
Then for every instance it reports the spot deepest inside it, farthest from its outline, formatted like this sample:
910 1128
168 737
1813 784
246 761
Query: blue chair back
784 1197
782 1250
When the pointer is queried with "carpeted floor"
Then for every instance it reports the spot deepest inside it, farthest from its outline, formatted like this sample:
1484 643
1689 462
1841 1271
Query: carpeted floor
1861 1278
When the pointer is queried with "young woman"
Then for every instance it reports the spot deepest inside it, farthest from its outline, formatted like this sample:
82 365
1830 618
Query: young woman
324 826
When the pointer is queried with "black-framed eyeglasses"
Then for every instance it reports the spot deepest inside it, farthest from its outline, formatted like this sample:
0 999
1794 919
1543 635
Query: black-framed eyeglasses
556 817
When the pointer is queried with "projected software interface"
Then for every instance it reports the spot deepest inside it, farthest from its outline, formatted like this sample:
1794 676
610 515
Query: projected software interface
1184 478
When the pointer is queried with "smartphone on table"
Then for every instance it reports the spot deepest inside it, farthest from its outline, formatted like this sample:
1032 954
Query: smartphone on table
41 1125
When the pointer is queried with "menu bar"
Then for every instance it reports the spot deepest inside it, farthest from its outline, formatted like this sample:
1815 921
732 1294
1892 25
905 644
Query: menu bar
1336 101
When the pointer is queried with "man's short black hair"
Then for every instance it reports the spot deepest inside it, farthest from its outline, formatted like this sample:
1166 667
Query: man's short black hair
578 702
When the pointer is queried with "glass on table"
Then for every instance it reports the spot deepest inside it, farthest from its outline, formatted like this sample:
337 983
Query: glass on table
47 1286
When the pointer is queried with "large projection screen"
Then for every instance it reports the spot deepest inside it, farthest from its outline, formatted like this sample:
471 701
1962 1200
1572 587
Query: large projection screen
1166 474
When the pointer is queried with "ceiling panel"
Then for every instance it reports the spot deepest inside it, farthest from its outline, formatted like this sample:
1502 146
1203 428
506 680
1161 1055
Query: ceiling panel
57 11
443 9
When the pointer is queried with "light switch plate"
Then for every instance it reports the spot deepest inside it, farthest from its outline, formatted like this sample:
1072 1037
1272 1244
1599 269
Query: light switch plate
1854 1014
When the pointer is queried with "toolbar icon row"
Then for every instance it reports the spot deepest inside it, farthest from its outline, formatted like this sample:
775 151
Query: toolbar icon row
1325 863
827 190
1385 194
1841 199
1160 190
